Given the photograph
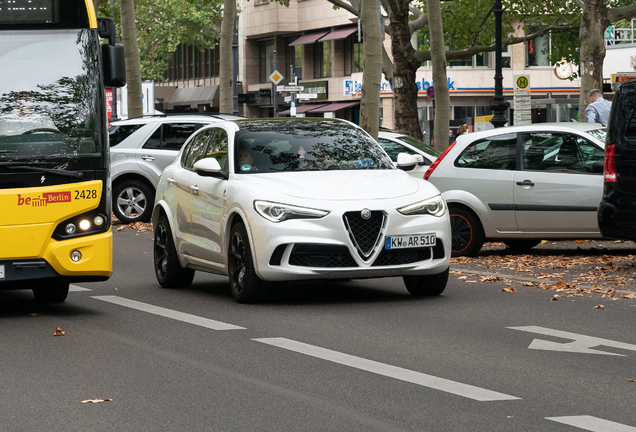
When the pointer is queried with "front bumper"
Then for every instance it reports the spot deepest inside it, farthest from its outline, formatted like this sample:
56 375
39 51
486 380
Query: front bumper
304 249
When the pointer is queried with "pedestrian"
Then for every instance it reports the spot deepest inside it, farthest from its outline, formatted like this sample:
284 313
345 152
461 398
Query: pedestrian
598 110
462 129
451 137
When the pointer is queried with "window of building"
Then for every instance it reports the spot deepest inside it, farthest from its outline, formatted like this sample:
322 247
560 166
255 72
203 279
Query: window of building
463 113
322 60
353 55
294 57
265 59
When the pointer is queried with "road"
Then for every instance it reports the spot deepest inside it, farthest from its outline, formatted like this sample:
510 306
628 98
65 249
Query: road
341 356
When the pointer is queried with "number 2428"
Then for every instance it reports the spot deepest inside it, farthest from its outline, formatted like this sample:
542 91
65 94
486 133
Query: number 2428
86 194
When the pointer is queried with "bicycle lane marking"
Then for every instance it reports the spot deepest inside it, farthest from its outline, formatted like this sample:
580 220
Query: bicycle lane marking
442 384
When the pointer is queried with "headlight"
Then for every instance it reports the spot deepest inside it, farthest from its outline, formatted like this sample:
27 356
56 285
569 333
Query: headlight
276 212
434 206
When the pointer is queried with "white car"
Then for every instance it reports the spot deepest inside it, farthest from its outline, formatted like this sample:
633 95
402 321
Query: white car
140 149
522 184
269 200
396 142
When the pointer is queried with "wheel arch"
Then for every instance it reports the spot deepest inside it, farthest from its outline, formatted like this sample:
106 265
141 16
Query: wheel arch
133 177
465 200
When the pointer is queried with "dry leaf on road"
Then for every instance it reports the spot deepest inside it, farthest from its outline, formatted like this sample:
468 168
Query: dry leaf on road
510 290
599 307
59 332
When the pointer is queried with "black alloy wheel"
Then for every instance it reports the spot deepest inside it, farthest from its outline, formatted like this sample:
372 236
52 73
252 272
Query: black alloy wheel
168 270
245 284
467 232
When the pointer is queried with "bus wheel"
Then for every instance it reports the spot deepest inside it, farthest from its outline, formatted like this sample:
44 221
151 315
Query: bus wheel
51 292
168 270
132 201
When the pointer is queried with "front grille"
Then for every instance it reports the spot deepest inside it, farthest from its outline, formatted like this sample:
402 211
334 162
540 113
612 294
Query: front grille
321 255
389 257
365 233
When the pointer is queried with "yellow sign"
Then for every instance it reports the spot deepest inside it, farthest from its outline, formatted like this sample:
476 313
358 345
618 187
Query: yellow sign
276 77
522 82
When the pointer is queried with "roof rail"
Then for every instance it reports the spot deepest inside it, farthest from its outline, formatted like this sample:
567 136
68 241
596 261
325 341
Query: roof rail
215 115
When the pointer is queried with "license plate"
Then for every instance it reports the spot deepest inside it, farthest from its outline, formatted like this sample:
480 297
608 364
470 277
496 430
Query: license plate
410 241
2 271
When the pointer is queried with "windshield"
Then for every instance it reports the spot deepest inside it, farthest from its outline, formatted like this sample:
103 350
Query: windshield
420 145
305 145
50 99
599 134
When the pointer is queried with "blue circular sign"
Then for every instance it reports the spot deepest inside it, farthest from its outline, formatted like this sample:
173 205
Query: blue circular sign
430 92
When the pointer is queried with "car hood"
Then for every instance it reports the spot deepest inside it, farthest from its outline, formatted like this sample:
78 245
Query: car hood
342 185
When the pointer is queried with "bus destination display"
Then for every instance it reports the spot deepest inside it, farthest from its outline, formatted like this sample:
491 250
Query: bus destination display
26 11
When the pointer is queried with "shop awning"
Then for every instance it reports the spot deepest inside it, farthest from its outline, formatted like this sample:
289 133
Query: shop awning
335 106
340 33
302 108
309 38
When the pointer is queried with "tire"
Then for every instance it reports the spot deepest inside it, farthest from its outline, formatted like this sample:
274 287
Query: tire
168 270
428 285
521 244
51 292
246 286
133 201
467 232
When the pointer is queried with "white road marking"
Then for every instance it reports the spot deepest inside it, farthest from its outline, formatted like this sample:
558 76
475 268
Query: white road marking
75 288
169 313
581 343
594 424
418 378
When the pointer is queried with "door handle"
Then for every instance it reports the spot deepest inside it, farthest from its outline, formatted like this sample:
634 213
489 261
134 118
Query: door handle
194 190
525 183
147 157
170 180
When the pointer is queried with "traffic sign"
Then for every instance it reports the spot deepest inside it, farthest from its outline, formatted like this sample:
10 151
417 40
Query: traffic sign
522 82
430 92
276 77
291 89
307 96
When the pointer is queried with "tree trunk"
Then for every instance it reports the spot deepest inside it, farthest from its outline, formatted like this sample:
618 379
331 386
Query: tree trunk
404 67
372 69
594 21
438 57
225 74
133 61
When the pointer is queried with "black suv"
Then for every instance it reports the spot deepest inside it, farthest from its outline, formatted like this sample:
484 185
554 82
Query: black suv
617 211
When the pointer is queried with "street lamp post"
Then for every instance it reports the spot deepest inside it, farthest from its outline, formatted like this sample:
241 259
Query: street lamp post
498 105
235 110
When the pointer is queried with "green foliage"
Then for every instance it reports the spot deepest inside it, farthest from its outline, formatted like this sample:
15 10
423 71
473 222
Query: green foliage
164 24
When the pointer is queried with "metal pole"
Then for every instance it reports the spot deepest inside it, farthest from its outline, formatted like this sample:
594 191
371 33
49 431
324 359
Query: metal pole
498 105
235 110
275 61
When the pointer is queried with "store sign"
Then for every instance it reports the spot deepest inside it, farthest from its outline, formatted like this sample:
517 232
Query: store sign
353 87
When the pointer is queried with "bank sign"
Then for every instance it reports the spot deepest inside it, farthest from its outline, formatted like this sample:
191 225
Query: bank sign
353 87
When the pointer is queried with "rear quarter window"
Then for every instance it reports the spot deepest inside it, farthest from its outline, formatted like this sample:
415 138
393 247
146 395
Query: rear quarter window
119 133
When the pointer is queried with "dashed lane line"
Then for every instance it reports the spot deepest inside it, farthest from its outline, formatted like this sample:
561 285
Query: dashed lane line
169 313
76 288
593 424
395 372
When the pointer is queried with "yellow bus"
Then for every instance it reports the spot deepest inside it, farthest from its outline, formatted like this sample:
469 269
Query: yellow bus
55 210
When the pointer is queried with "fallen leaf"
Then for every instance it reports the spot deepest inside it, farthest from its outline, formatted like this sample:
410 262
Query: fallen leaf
116 292
578 241
529 284
510 290
59 332
471 281
554 298
96 400
599 307
632 380
462 277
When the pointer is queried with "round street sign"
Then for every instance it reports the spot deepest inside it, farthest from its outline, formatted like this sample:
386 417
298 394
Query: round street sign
430 92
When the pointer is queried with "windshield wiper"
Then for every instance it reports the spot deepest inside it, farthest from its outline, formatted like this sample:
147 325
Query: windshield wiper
72 174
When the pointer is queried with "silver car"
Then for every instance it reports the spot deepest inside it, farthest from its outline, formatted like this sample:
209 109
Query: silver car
396 142
522 184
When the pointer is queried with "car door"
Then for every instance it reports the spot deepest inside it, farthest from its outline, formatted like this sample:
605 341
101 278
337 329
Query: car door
180 177
208 203
559 189
162 146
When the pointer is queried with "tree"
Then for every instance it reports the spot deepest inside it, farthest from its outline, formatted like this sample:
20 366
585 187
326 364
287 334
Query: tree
372 69
226 101
133 65
596 17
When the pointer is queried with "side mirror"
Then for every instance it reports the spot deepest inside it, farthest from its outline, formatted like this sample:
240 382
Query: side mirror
114 65
406 162
419 158
106 29
209 167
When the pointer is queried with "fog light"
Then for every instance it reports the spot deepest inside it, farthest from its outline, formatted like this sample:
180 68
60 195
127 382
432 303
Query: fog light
70 229
84 224
98 221
76 255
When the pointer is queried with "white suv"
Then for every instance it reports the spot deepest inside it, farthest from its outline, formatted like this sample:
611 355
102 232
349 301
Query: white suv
140 149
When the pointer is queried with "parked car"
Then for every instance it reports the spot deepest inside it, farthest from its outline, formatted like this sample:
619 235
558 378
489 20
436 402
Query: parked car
396 142
140 149
617 211
293 199
522 184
